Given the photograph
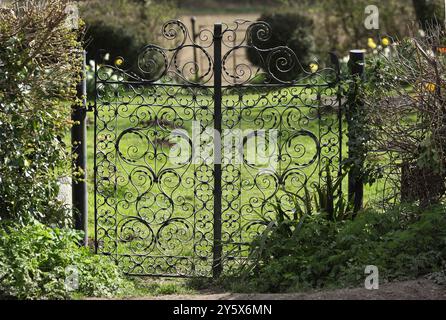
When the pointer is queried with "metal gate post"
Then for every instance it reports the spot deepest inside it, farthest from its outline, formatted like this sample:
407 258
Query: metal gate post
79 150
355 152
217 249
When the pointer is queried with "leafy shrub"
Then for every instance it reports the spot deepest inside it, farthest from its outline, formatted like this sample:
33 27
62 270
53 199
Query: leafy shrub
287 29
34 261
320 253
39 62
322 197
404 114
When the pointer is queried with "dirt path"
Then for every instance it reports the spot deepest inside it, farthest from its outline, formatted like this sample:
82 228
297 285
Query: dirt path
408 290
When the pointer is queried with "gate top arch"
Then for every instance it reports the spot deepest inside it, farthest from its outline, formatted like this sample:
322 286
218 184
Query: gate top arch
163 64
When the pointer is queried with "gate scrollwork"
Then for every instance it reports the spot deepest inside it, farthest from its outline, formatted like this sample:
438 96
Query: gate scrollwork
156 216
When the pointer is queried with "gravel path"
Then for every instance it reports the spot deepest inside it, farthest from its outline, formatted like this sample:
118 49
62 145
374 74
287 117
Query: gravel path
407 290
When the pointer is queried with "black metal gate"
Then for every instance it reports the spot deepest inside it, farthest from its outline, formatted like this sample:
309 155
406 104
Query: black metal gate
190 161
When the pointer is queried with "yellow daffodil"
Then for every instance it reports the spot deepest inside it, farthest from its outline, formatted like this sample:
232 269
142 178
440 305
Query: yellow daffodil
385 41
430 86
119 62
314 67
371 43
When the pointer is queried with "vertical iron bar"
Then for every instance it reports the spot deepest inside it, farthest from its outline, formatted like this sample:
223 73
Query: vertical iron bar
234 57
340 123
217 249
335 62
355 180
194 37
79 163
201 27
95 152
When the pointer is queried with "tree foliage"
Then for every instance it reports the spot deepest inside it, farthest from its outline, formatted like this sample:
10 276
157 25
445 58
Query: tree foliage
123 27
429 12
339 25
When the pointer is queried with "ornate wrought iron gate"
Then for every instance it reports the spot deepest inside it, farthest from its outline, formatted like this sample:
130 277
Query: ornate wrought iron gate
171 198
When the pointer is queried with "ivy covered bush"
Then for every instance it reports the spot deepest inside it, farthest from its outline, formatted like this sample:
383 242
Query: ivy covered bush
39 65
